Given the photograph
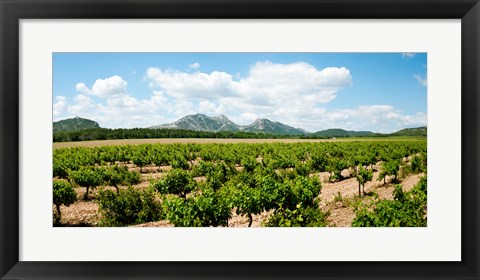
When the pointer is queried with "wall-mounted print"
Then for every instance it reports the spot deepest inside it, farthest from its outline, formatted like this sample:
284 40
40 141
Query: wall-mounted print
239 139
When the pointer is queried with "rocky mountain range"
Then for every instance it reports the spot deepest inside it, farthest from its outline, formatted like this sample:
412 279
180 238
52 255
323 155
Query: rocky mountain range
201 122
221 123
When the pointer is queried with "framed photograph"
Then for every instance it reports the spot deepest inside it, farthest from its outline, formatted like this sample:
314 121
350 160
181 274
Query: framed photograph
315 76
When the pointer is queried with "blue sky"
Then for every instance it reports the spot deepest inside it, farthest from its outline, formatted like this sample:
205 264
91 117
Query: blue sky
380 92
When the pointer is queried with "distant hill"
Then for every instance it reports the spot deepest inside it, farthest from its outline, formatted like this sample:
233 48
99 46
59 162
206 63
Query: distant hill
417 131
74 124
221 123
201 122
218 126
269 127
337 132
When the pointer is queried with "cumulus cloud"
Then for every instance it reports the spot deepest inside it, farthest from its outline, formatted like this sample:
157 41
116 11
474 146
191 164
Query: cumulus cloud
109 103
265 80
59 106
84 105
408 54
211 108
113 86
190 85
195 65
295 94
268 89
104 88
377 118
82 89
421 80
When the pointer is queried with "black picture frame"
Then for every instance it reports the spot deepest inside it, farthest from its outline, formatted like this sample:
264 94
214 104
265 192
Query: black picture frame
11 11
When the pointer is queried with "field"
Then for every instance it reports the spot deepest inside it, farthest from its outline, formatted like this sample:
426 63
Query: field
99 143
240 183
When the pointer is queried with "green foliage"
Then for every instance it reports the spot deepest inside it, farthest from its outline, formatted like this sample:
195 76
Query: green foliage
363 175
202 168
419 163
408 209
284 178
180 163
119 175
177 181
63 193
88 177
219 174
389 168
318 161
71 159
249 164
301 216
128 207
211 208
302 169
248 201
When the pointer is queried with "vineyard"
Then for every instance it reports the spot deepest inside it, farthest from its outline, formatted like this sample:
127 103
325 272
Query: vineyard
306 184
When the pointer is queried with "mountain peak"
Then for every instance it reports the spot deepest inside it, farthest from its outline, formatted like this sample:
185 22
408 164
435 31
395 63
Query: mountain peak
201 122
221 117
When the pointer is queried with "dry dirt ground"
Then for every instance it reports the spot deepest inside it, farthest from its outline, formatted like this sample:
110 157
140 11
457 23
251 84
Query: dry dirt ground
85 213
342 212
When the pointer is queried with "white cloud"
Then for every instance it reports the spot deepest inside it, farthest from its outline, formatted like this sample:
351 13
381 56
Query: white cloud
265 83
247 118
59 106
195 66
278 91
295 94
82 89
408 54
83 106
210 108
116 108
421 80
109 87
377 118
190 85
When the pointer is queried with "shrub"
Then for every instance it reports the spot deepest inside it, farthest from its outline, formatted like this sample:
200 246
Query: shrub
119 175
177 181
63 193
128 207
310 216
87 177
249 164
211 208
363 175
180 163
248 201
408 209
